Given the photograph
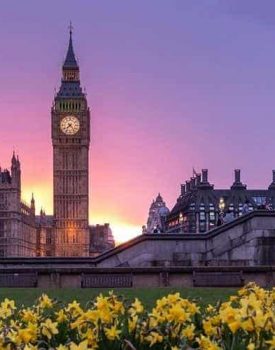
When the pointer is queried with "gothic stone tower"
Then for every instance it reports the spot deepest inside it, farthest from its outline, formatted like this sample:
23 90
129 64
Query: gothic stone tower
70 140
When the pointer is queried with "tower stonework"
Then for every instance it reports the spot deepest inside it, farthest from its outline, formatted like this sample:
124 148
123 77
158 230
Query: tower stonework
71 140
17 218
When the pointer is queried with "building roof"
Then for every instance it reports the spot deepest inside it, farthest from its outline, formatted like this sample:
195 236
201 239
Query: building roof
45 220
196 193
70 89
5 176
70 60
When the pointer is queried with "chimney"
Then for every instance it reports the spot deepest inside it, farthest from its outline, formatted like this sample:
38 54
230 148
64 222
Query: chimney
204 175
187 186
237 184
237 176
198 179
183 190
273 176
192 183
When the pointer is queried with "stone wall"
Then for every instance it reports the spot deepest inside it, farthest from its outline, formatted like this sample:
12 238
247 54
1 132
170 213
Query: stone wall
136 277
231 255
247 241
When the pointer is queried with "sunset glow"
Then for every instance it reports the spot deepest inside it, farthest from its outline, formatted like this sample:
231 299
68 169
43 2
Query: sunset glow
122 230
171 87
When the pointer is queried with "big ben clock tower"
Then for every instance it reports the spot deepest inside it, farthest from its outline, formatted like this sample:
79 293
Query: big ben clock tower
70 140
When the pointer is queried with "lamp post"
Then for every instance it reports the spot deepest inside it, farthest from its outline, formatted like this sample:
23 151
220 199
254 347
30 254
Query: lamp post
221 205
221 209
181 221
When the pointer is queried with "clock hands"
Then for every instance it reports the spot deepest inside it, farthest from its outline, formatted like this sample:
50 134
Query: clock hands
70 125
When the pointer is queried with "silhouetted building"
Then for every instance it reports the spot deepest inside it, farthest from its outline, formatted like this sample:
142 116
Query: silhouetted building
199 204
17 219
101 239
158 213
45 235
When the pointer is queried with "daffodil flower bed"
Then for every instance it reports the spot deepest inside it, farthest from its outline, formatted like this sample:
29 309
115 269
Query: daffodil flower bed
245 321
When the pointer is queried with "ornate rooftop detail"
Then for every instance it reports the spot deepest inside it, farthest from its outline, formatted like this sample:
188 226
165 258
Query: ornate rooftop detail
157 215
70 85
70 60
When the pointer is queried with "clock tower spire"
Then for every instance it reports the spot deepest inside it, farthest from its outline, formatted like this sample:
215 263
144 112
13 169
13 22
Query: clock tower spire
70 64
71 140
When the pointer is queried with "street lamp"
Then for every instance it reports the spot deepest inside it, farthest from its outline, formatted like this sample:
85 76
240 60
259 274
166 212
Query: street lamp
221 205
181 221
220 213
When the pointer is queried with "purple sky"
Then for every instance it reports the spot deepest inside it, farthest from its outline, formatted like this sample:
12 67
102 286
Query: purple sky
171 84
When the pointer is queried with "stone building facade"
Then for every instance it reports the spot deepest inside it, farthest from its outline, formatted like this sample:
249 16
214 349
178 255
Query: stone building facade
17 219
101 239
199 204
67 231
158 213
70 141
45 234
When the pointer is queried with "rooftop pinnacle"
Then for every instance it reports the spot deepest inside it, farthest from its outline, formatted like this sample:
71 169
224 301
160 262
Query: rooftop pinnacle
70 60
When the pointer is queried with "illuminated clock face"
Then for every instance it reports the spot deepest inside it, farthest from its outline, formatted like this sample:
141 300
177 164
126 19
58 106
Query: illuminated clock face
69 125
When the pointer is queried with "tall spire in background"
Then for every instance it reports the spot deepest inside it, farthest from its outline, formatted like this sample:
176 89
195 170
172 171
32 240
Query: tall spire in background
70 60
70 82
71 136
13 159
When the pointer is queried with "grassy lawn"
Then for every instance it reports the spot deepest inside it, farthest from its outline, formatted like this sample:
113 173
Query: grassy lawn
204 296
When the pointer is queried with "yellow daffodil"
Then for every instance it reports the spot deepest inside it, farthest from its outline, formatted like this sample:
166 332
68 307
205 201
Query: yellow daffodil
208 327
82 346
112 333
6 308
189 332
61 316
74 308
271 343
8 304
29 315
177 314
251 346
62 347
170 324
49 328
136 307
206 344
26 335
234 326
154 337
30 347
132 323
45 302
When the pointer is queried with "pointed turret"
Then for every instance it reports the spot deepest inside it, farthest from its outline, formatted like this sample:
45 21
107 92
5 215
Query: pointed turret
159 198
33 204
70 83
15 171
70 67
70 60
18 162
13 160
